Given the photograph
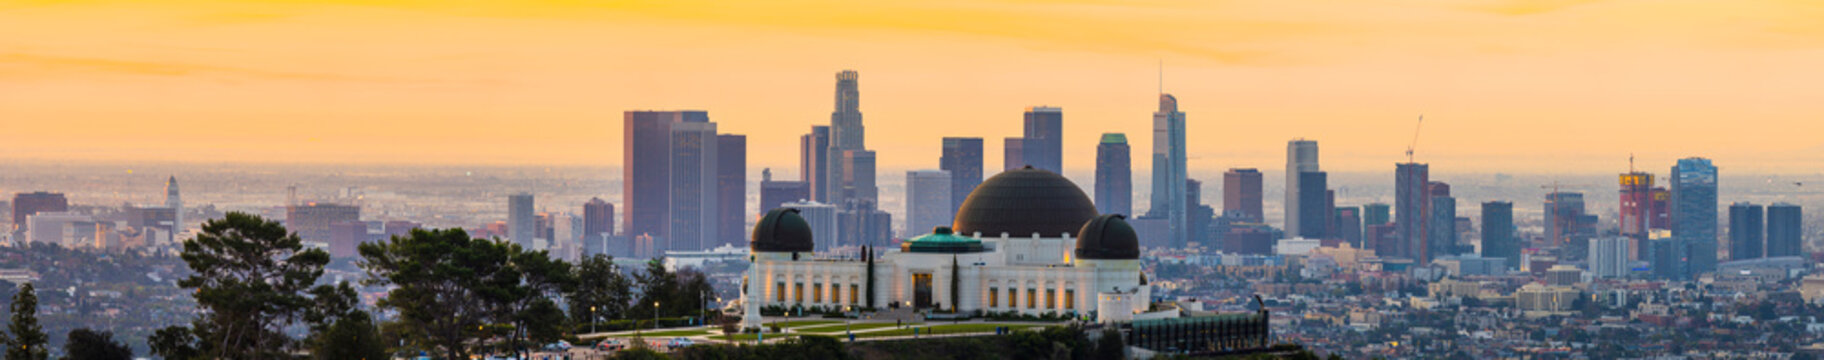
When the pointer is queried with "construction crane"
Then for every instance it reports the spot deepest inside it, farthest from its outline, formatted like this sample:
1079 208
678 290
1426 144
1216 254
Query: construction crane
1551 204
1415 138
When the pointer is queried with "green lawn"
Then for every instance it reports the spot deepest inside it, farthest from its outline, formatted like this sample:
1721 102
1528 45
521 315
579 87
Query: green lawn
750 337
672 333
793 324
947 329
837 328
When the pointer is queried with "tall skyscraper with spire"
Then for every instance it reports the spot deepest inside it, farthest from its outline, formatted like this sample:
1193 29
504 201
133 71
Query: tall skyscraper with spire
846 143
176 203
1169 170
851 171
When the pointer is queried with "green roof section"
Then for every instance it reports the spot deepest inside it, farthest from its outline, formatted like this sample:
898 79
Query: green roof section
942 241
1114 138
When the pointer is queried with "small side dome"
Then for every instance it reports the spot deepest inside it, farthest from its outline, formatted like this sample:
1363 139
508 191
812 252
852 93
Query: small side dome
1108 237
782 230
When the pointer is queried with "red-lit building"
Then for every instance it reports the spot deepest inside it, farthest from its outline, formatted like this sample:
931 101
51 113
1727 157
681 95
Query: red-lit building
1636 210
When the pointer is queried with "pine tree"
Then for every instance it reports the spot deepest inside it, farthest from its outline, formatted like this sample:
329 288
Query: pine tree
28 341
868 252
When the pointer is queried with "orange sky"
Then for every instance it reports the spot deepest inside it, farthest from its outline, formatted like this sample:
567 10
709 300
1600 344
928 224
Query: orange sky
1519 86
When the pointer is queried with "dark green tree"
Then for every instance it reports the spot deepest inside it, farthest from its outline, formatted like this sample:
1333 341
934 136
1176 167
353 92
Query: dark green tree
446 286
868 252
599 285
693 294
352 336
26 340
540 278
657 285
85 344
1111 346
543 322
253 278
331 304
175 343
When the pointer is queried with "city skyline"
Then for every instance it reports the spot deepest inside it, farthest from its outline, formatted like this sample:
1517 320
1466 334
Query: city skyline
1251 88
1603 179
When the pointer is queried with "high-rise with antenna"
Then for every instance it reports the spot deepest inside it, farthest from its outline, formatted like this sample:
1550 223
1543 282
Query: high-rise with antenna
1169 170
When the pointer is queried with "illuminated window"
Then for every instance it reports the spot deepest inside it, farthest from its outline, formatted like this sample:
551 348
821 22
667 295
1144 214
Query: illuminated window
1032 298
1013 298
854 293
994 297
835 293
816 292
1051 298
1070 299
779 292
798 293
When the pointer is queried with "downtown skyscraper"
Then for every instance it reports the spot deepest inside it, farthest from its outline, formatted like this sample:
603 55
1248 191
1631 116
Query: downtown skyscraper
813 162
850 171
1694 205
646 170
1498 239
1410 201
598 226
1043 144
1241 192
1301 158
176 203
522 225
963 159
1170 171
928 201
851 165
1441 228
774 193
671 179
1314 209
1747 231
695 198
1114 175
1635 215
1785 230
731 190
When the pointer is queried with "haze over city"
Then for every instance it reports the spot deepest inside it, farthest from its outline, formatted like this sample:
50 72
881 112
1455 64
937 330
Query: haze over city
1002 179
1508 86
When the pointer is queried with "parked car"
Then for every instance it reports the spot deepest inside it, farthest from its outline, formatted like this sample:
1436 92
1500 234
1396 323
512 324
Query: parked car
560 345
610 345
679 343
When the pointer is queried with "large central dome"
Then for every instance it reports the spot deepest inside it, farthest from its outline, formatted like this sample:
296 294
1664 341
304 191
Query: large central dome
1024 201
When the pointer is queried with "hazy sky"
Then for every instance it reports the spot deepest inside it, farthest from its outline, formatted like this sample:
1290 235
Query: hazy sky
1521 86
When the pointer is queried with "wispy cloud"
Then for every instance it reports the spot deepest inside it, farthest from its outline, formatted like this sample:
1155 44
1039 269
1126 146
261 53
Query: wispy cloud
27 66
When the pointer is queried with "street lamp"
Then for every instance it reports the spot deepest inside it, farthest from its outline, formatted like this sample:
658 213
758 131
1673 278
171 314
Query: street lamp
655 315
592 320
845 323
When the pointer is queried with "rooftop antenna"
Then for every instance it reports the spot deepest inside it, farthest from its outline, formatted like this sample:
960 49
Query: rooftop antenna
1630 163
1415 138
